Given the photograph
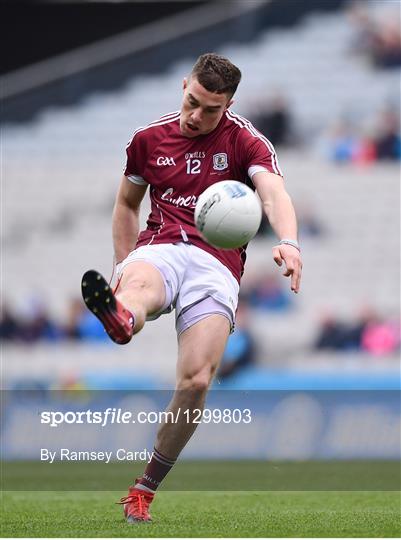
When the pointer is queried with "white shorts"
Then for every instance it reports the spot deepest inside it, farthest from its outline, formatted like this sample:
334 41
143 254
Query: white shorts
196 283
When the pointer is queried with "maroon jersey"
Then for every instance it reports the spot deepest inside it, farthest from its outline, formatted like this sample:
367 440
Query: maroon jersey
178 169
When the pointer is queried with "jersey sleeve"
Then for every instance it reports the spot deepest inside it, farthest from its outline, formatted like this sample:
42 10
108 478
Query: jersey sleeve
135 164
259 155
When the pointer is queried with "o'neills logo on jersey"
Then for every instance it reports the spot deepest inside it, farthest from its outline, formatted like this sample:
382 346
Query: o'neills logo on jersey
192 155
220 161
165 161
189 201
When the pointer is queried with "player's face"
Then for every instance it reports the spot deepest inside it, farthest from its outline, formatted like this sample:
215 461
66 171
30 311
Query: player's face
201 110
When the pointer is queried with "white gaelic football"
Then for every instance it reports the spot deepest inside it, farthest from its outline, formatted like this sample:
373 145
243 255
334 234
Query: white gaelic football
228 214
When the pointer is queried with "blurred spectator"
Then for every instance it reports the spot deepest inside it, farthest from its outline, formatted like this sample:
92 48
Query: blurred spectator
345 143
267 293
309 225
380 338
36 324
379 40
339 335
353 336
363 40
81 324
331 334
90 328
368 333
386 52
9 327
75 312
388 140
274 120
240 348
365 148
341 142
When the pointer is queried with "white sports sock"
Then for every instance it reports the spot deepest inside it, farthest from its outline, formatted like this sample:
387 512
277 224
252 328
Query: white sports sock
144 488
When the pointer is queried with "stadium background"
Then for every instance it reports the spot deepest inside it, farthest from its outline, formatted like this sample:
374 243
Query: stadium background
325 363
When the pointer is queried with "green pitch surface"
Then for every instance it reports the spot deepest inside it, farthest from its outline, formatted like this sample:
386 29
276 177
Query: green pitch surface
205 514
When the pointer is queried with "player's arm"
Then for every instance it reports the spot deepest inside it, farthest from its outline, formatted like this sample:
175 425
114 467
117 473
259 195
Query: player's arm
125 224
280 211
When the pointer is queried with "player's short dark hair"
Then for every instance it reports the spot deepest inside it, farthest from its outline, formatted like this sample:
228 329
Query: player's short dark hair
217 74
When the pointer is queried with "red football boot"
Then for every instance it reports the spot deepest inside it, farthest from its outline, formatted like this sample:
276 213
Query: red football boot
100 300
136 505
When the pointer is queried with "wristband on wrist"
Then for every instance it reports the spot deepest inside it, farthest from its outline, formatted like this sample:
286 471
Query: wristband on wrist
290 242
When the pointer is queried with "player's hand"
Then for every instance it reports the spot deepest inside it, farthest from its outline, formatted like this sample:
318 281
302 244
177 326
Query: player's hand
293 263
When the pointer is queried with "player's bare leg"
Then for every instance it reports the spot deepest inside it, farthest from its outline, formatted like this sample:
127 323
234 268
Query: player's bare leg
140 292
200 349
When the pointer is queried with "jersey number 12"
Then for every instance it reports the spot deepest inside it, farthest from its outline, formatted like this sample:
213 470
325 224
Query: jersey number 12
193 166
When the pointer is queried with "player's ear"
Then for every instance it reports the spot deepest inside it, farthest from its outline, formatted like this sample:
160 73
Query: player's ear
184 83
230 103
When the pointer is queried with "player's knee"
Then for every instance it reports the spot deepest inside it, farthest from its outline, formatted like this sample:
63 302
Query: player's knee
196 382
199 383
